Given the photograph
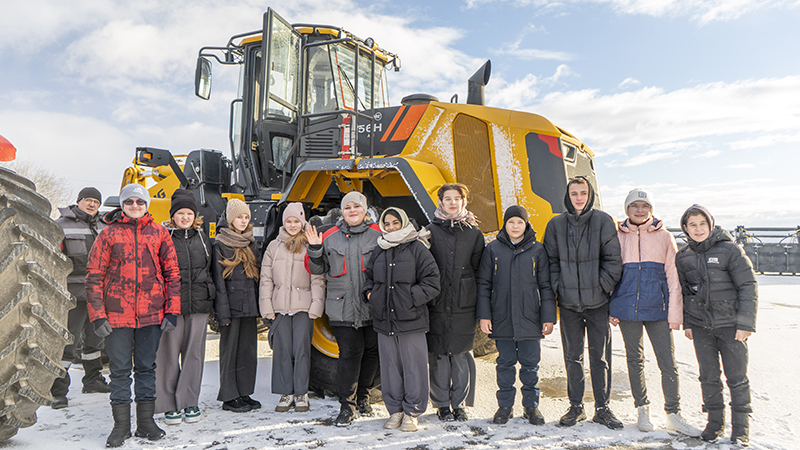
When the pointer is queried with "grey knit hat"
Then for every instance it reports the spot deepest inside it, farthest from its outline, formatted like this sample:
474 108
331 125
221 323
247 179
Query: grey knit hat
134 191
639 194
355 197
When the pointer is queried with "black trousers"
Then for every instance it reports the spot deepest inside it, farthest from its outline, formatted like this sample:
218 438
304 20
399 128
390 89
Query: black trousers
238 358
709 346
357 365
575 326
77 324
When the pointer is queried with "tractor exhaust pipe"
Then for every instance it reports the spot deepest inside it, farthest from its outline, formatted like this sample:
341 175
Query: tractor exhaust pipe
476 83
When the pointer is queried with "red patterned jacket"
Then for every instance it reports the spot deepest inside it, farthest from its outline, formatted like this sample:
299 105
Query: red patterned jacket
132 277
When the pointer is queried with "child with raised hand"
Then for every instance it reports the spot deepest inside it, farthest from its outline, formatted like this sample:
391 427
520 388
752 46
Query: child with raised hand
516 308
236 273
720 298
293 298
400 281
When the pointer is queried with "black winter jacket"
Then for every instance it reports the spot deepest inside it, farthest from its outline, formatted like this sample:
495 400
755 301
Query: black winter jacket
514 287
585 257
457 250
237 296
401 280
80 231
194 259
718 284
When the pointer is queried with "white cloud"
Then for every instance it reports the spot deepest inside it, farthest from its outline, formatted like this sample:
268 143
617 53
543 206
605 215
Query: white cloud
741 166
701 11
708 154
629 82
651 115
768 140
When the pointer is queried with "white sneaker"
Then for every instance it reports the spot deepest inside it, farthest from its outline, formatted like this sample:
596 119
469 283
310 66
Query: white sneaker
644 423
286 402
301 403
409 424
393 422
676 424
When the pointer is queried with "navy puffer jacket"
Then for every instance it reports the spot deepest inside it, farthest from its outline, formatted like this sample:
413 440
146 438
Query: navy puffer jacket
514 287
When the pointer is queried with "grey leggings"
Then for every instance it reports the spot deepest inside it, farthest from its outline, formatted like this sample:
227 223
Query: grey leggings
660 337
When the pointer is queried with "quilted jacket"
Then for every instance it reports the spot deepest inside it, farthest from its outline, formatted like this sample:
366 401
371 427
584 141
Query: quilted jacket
649 289
132 278
286 286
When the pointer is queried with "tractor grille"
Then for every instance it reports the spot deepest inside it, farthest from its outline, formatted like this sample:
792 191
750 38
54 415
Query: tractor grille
320 144
474 168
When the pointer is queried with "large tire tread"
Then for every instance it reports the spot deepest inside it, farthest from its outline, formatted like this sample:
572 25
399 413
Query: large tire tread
34 303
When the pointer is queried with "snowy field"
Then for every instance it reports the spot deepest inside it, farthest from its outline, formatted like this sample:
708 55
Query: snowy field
774 371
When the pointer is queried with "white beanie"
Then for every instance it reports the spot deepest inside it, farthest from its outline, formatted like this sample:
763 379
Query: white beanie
134 191
638 194
355 197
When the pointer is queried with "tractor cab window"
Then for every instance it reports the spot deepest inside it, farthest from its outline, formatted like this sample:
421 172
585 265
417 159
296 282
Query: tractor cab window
283 80
332 84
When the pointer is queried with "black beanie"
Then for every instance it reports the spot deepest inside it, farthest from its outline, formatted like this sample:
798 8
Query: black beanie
182 198
695 210
90 192
515 211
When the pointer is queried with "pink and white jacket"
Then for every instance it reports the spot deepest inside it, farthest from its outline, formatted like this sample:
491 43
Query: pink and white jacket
649 289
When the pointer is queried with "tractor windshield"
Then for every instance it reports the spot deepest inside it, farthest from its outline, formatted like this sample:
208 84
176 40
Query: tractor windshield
331 80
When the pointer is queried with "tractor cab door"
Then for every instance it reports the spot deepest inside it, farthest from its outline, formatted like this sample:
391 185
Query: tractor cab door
275 98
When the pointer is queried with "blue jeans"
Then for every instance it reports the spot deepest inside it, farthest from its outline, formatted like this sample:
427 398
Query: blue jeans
528 354
133 350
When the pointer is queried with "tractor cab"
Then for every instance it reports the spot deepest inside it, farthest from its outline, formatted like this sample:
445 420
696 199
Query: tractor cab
304 92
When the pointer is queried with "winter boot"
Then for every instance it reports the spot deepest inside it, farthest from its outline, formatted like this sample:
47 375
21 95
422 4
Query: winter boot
715 426
740 428
145 425
93 381
122 425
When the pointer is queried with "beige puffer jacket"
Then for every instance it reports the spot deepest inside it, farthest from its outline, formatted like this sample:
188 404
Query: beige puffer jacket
286 286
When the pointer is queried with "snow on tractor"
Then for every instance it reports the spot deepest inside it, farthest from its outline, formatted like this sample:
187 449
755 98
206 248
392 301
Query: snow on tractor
313 122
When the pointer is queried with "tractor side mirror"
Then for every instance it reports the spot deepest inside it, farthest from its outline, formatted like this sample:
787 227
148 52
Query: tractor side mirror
202 78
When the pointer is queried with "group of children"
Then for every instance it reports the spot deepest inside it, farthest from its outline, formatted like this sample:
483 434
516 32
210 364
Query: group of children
407 300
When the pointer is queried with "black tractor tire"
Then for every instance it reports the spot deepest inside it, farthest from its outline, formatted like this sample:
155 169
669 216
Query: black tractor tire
34 303
322 379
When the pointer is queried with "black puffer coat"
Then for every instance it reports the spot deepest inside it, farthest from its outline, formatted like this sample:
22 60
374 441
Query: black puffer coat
194 260
514 287
585 256
718 284
401 280
457 250
237 296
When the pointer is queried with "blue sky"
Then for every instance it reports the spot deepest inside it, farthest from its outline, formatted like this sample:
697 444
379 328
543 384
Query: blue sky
698 101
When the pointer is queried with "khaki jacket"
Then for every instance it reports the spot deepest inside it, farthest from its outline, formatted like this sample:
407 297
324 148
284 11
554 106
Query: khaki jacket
286 286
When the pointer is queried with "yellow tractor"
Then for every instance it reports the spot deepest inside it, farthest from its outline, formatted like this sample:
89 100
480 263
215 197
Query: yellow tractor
313 122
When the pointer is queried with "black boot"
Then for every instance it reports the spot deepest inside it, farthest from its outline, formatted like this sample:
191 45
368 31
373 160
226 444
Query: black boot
715 426
145 425
740 428
122 425
93 381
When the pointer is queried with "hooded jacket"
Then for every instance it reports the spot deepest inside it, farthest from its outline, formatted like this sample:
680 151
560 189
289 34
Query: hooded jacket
401 281
718 284
286 286
457 249
80 231
194 259
237 296
514 287
343 257
132 277
584 253
649 289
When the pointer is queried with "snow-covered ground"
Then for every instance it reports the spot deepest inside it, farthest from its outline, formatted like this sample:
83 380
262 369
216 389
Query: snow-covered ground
774 371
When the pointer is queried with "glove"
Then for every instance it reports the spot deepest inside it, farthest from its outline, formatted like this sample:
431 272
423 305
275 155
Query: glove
101 327
169 322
